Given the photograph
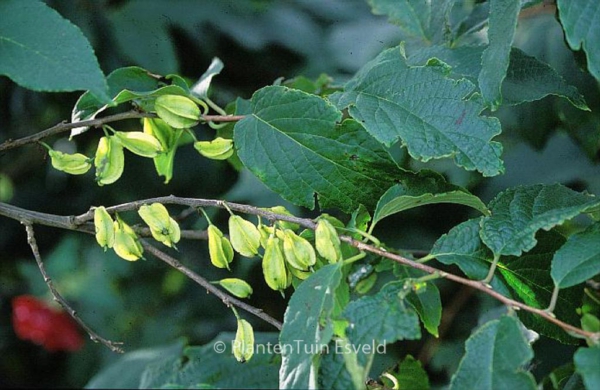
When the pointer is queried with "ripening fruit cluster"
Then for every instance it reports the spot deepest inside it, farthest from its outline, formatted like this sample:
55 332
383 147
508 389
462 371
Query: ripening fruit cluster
287 257
158 140
119 236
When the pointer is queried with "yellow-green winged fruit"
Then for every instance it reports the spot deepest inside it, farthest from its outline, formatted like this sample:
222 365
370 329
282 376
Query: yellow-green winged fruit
273 265
139 143
219 248
284 224
327 241
73 164
127 244
217 149
109 160
298 252
265 232
243 345
244 236
163 228
302 275
179 112
105 228
237 287
168 138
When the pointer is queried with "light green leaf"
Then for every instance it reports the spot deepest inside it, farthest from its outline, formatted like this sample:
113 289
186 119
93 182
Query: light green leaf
527 78
42 51
495 358
586 364
518 213
581 22
307 326
433 115
291 143
426 187
494 61
579 259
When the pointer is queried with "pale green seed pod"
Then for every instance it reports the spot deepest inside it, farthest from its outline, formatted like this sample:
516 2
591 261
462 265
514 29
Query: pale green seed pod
168 138
179 112
139 143
302 275
237 287
105 228
284 224
109 161
163 228
299 253
327 241
273 265
244 236
217 149
219 248
73 164
265 232
243 345
127 244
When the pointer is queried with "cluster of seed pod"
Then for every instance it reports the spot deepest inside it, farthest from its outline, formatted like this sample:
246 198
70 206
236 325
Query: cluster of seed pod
121 237
286 255
158 140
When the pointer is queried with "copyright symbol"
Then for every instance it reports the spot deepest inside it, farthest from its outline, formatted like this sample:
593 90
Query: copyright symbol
219 347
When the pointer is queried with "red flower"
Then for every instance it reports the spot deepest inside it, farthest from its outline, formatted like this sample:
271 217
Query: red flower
35 321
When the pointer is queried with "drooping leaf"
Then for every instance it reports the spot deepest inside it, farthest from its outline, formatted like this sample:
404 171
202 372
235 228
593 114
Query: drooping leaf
579 259
214 366
42 51
527 78
417 18
495 357
291 142
308 320
426 187
519 212
433 115
494 61
200 88
581 22
586 364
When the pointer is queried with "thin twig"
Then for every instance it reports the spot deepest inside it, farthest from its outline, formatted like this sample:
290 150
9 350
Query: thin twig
113 345
226 298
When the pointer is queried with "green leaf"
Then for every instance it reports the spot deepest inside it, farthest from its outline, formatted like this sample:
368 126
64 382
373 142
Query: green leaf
518 213
214 366
307 327
581 22
426 187
291 142
527 78
333 373
411 375
42 51
417 18
579 259
494 61
200 88
433 115
586 364
495 358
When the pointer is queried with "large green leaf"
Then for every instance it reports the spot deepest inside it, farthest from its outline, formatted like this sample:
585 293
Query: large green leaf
527 78
581 22
41 50
579 259
417 18
307 327
411 375
433 115
495 357
426 187
518 213
214 366
494 61
291 142
586 364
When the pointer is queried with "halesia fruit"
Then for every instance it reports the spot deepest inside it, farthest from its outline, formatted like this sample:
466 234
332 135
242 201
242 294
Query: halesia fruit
163 228
219 248
298 252
243 345
105 228
327 241
127 244
73 164
245 237
217 149
109 160
179 112
237 287
273 265
139 143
